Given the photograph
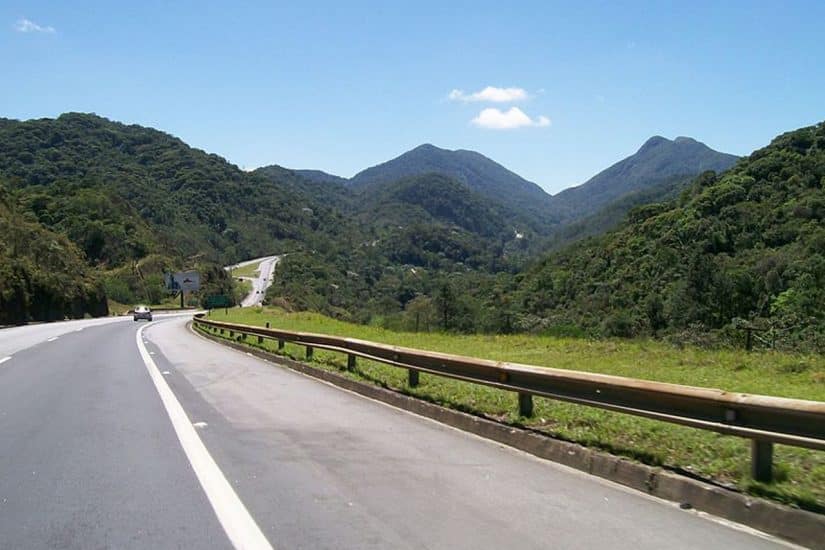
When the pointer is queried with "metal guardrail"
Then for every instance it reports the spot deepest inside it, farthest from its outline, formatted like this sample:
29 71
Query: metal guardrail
762 419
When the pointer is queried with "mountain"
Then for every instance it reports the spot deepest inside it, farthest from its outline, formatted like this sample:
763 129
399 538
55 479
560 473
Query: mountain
124 194
614 213
319 176
323 188
123 191
434 198
747 244
518 196
658 160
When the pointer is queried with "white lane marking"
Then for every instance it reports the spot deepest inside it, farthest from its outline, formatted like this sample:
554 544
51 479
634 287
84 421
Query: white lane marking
52 339
235 519
200 424
4 359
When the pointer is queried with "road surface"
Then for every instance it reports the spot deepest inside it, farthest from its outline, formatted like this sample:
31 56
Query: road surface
261 282
115 434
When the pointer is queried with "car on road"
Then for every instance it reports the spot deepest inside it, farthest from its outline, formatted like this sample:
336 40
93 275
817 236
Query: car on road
143 312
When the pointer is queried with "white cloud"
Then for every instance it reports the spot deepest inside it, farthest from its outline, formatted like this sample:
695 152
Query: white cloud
26 25
490 94
506 120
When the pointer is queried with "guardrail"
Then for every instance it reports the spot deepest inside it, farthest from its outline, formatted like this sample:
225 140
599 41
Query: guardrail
762 419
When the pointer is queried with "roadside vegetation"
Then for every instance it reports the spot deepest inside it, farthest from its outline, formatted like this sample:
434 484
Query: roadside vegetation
250 270
800 473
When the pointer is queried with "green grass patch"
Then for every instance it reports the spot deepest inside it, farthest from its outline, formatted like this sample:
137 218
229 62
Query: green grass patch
800 472
250 270
245 287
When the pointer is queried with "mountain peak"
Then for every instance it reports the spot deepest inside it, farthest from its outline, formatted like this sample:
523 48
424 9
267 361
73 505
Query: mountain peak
426 147
653 142
479 173
658 160
685 139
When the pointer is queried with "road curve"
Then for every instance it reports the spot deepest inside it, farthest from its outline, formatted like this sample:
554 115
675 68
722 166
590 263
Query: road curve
261 282
90 459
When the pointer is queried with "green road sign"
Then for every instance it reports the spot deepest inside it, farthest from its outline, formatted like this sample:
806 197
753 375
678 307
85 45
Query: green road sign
217 300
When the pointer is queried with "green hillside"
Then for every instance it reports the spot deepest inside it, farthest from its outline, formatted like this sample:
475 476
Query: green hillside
43 276
121 192
657 161
138 202
525 201
746 246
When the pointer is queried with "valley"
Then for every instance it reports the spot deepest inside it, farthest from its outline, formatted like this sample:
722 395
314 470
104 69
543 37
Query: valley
662 243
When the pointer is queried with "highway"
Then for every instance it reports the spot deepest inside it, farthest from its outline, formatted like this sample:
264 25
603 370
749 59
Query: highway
115 434
261 282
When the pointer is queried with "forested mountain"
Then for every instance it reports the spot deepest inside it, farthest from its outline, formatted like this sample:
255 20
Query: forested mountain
614 213
43 276
747 245
320 176
318 189
658 161
521 198
658 171
137 201
122 192
434 198
109 207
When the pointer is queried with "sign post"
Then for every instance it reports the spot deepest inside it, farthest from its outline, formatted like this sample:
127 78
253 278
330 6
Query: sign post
182 281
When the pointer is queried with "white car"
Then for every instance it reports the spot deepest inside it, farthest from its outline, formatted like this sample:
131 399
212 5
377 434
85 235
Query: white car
143 312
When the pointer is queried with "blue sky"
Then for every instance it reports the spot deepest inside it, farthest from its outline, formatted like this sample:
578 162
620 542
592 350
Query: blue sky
341 86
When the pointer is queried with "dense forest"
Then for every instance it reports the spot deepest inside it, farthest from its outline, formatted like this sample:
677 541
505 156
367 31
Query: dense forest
109 207
136 202
43 275
744 248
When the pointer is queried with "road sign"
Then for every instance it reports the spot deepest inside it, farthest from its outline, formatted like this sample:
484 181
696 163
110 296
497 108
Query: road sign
186 281
217 300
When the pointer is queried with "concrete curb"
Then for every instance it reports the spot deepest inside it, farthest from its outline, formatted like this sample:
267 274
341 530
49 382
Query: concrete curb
795 525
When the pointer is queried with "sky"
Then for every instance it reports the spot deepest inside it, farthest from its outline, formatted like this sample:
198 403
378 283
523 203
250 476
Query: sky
554 91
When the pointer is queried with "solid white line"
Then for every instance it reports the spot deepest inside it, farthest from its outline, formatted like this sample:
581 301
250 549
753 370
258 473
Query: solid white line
4 359
238 524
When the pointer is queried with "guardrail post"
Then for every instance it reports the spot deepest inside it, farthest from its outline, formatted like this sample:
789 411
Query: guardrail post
280 344
309 352
525 404
762 460
221 331
412 378
260 339
231 333
350 362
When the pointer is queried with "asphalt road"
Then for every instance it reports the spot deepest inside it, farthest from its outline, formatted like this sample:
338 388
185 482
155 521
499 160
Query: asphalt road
110 438
261 282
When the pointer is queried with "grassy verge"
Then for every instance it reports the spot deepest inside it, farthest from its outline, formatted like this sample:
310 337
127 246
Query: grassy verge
250 270
245 287
800 473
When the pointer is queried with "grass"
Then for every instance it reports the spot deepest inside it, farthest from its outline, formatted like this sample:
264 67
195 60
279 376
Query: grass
800 473
245 287
250 270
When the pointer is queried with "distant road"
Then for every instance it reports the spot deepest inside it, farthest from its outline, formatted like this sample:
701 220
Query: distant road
260 283
116 434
